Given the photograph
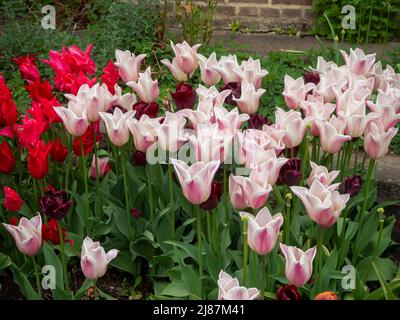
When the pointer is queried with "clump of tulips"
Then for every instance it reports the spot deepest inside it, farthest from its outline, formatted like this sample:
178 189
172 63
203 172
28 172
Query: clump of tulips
191 188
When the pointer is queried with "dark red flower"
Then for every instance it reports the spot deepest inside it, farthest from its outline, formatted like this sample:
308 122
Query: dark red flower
43 111
69 82
149 109
139 158
352 185
257 121
214 198
113 107
110 76
58 151
38 159
288 292
50 233
290 173
184 96
27 67
135 213
12 200
8 109
236 91
311 77
7 160
13 221
86 141
55 203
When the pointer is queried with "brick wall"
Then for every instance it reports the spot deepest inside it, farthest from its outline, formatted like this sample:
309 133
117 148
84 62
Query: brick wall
264 15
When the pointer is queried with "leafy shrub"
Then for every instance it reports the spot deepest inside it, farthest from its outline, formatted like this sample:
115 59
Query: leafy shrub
384 19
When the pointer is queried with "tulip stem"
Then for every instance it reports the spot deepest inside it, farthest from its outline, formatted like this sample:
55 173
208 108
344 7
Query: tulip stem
245 250
378 242
171 198
216 237
126 190
314 149
150 191
278 195
264 274
320 242
200 248
96 162
304 158
226 194
371 168
85 181
39 287
64 264
338 159
69 158
348 158
288 218
209 226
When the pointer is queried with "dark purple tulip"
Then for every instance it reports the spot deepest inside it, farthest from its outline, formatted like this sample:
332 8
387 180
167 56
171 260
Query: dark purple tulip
288 292
184 96
213 200
236 91
257 121
139 158
112 108
55 203
311 77
135 213
290 173
352 185
149 109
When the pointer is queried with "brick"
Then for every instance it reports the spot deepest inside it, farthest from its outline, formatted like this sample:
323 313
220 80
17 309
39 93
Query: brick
249 11
297 2
291 13
225 11
270 12
249 1
308 14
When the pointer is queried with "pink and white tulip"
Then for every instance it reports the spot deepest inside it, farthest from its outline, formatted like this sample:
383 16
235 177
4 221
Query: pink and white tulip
27 235
299 264
208 75
196 180
171 133
292 124
229 289
146 88
250 98
331 134
358 62
128 65
263 230
295 91
323 203
102 166
377 139
94 259
144 132
226 67
76 124
321 174
251 71
116 125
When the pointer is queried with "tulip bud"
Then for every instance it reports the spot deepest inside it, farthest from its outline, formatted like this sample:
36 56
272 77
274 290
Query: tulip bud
327 295
288 292
290 173
236 91
257 121
136 214
12 201
184 96
55 203
312 77
214 198
139 158
352 185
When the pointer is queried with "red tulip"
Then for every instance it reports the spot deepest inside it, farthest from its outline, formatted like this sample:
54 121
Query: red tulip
149 109
29 131
39 90
288 292
27 67
8 109
38 159
12 200
184 96
87 141
7 160
110 76
50 233
213 200
58 151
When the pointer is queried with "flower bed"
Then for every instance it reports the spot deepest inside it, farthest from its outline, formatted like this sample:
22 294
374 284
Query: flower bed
176 191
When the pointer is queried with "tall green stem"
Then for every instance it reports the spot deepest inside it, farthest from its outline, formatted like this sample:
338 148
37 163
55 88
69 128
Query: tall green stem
39 287
171 198
96 161
85 181
126 190
245 250
264 274
320 252
287 218
304 160
200 248
150 191
63 261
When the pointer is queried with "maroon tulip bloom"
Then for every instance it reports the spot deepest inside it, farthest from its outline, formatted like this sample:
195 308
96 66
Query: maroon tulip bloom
184 96
290 173
352 185
257 121
149 109
55 203
135 213
236 91
311 77
139 158
213 200
288 292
